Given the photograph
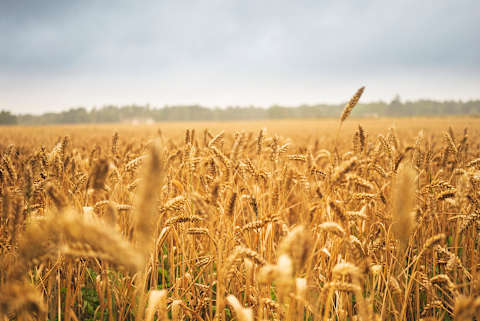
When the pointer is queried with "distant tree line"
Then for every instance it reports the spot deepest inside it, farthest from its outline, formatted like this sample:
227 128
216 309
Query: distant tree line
7 118
115 114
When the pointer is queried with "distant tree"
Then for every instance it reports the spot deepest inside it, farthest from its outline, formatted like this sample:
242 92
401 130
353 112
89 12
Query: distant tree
396 106
7 118
74 116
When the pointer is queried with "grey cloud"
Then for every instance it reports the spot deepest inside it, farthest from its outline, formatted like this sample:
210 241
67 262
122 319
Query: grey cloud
236 42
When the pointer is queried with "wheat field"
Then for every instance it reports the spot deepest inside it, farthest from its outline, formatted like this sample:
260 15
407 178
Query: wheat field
348 219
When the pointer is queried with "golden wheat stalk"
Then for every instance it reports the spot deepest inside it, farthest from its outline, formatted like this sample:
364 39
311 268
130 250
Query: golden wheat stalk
351 104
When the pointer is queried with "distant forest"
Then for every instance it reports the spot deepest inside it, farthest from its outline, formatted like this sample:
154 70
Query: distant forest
136 113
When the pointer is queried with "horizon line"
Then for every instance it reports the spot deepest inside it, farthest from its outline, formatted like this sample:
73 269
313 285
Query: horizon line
213 107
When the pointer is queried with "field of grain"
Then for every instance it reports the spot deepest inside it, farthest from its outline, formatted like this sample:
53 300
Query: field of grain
360 219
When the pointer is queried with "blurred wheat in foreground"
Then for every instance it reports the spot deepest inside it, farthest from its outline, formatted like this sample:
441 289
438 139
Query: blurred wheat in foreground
242 226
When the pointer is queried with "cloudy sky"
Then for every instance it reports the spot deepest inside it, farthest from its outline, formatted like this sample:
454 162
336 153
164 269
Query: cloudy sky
56 54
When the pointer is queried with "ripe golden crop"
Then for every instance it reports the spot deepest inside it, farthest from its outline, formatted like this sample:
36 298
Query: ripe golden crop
303 220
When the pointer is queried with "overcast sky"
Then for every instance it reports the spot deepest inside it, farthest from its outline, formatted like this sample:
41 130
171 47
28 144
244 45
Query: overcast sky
60 54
